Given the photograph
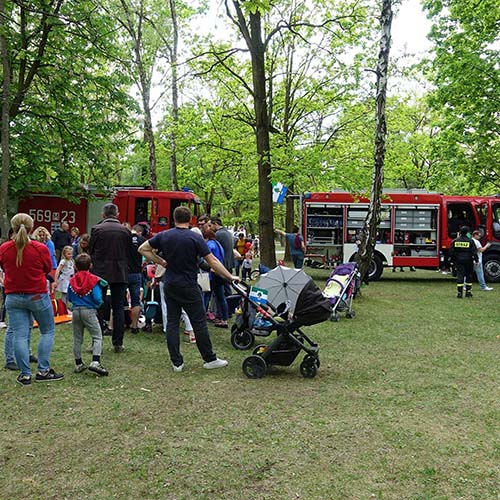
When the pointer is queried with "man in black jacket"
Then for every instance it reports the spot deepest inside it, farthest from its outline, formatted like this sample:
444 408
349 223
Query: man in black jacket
110 249
61 237
463 254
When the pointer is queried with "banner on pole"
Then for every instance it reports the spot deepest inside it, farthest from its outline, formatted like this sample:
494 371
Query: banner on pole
279 192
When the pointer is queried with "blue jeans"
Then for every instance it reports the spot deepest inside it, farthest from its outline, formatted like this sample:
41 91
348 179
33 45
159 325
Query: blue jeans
480 276
237 266
298 260
20 308
10 356
9 345
217 285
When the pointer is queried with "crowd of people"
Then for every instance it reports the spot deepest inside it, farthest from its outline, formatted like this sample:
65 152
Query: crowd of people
96 274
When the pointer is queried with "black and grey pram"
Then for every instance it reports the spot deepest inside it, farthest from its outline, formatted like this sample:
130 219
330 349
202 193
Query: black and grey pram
311 308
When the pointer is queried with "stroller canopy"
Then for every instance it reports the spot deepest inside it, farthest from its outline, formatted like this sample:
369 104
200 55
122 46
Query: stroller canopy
283 285
312 307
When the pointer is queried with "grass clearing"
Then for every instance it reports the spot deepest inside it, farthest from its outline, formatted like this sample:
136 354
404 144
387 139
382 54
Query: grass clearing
405 406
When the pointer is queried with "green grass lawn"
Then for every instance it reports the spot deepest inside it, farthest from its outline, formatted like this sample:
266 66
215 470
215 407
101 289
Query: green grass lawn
405 406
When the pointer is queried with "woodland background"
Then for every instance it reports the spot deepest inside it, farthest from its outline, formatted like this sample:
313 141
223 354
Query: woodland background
100 93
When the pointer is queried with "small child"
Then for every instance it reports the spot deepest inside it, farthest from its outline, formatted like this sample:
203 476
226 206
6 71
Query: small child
84 292
246 266
65 270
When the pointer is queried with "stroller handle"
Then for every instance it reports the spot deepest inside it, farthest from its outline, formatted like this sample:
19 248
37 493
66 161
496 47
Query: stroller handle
242 287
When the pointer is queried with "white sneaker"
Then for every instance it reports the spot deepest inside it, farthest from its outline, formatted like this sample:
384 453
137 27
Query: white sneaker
178 369
216 363
3 324
487 289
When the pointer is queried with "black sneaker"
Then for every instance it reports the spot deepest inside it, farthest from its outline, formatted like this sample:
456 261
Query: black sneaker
23 380
33 359
96 367
107 333
11 366
48 376
468 294
134 330
118 349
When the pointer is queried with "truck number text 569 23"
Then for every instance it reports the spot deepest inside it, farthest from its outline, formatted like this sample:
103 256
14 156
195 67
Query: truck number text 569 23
40 215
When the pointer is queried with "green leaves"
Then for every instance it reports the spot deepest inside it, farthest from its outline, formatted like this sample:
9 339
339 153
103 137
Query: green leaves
466 72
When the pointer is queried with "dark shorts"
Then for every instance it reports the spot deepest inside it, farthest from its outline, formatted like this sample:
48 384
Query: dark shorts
134 287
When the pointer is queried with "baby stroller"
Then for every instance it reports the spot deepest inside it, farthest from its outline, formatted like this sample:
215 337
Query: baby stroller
251 318
306 306
341 288
250 321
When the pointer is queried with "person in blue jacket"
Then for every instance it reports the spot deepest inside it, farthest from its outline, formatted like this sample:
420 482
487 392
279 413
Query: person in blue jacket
84 292
296 245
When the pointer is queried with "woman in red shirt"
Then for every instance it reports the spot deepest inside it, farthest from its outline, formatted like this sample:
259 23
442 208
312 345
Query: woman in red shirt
26 263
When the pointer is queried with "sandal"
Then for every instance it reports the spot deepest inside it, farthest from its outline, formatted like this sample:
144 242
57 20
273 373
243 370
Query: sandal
221 324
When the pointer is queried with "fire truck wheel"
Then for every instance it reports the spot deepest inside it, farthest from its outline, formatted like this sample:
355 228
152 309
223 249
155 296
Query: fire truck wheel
376 269
491 265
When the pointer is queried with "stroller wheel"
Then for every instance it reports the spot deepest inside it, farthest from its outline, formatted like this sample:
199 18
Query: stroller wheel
350 314
254 367
254 275
335 316
242 340
308 367
312 359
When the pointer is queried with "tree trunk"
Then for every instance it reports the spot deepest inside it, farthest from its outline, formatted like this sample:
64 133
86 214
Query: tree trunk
145 89
149 137
367 247
5 132
266 227
175 98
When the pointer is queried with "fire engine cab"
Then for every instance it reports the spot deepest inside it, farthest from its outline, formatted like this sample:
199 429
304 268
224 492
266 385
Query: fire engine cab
416 228
154 208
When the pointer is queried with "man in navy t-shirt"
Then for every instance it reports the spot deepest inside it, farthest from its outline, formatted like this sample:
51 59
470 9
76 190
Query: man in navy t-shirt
181 249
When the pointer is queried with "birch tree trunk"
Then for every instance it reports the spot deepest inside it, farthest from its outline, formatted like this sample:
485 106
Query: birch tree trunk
175 97
366 253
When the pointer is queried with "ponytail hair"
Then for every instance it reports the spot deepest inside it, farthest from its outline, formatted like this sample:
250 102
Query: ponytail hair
22 224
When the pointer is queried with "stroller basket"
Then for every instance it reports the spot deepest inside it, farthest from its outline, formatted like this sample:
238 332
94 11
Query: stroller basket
284 355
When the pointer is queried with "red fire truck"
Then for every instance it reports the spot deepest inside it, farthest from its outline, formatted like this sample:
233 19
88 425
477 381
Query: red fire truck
416 228
135 205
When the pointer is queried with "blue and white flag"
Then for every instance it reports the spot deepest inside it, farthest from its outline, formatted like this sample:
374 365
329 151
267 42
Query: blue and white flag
279 192
258 295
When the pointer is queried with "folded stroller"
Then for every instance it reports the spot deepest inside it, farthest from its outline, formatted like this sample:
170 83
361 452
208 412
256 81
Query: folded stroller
341 288
308 307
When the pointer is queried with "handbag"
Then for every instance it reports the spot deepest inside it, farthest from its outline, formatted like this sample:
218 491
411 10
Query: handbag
204 281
